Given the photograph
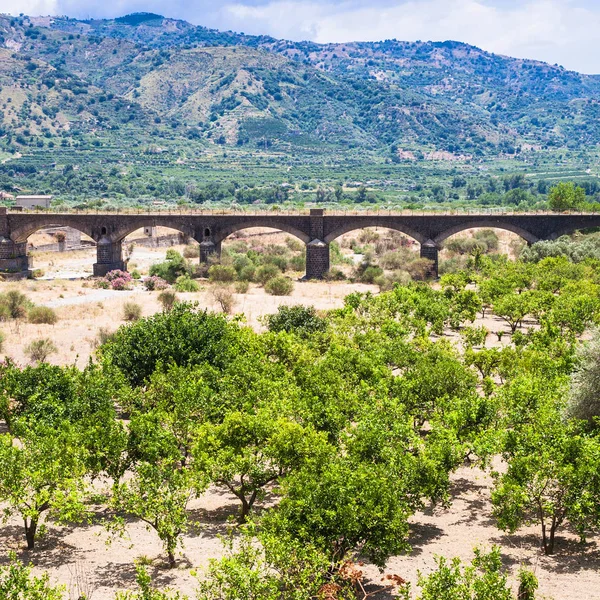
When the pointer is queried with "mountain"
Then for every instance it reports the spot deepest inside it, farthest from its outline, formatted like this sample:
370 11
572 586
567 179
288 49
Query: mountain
143 84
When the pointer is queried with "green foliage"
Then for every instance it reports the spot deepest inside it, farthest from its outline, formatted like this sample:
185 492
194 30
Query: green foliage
42 474
158 494
482 579
267 272
222 273
17 583
247 452
181 336
279 286
565 195
278 568
302 320
552 474
170 269
14 304
585 385
184 284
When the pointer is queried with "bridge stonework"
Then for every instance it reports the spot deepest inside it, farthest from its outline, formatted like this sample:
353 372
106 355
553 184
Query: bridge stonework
316 229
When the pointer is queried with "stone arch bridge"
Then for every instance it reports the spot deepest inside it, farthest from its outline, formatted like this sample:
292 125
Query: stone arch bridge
316 229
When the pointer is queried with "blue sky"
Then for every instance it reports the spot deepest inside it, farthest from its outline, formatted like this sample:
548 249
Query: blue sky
566 32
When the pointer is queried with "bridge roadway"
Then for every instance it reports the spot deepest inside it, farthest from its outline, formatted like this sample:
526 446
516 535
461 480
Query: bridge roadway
317 229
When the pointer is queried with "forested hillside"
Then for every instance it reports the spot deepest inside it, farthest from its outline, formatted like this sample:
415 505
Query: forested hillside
156 92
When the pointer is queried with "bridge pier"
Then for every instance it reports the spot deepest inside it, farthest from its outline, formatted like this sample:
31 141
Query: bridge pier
429 250
209 249
109 257
317 259
13 257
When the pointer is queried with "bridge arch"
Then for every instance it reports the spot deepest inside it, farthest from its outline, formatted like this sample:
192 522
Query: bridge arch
486 224
377 223
221 234
122 232
22 234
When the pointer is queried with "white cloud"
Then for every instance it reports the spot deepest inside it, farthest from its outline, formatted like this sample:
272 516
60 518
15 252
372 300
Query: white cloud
550 30
557 31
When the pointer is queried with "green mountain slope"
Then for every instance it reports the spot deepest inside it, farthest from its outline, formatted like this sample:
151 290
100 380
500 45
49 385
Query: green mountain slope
145 105
431 97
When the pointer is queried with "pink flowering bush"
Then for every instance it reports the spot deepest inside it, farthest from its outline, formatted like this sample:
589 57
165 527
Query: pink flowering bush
121 283
118 274
116 280
155 283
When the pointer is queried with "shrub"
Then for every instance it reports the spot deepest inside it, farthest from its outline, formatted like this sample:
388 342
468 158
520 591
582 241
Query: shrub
42 314
299 319
119 280
136 274
37 273
132 311
185 284
224 297
298 263
420 268
370 274
293 244
484 578
241 287
102 284
279 261
387 282
279 286
168 299
171 268
39 350
155 283
14 304
191 251
247 273
266 272
335 275
222 273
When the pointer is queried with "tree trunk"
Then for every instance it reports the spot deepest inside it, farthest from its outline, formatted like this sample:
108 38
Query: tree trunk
171 557
244 510
30 531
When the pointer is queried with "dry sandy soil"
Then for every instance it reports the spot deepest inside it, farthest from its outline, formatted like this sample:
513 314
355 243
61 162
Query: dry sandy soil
81 558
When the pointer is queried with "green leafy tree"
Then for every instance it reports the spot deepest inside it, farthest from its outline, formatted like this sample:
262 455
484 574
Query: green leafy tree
553 472
565 195
158 495
42 476
181 336
513 308
248 451
584 400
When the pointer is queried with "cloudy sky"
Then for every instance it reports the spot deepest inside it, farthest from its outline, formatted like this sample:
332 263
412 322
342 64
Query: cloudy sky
566 32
